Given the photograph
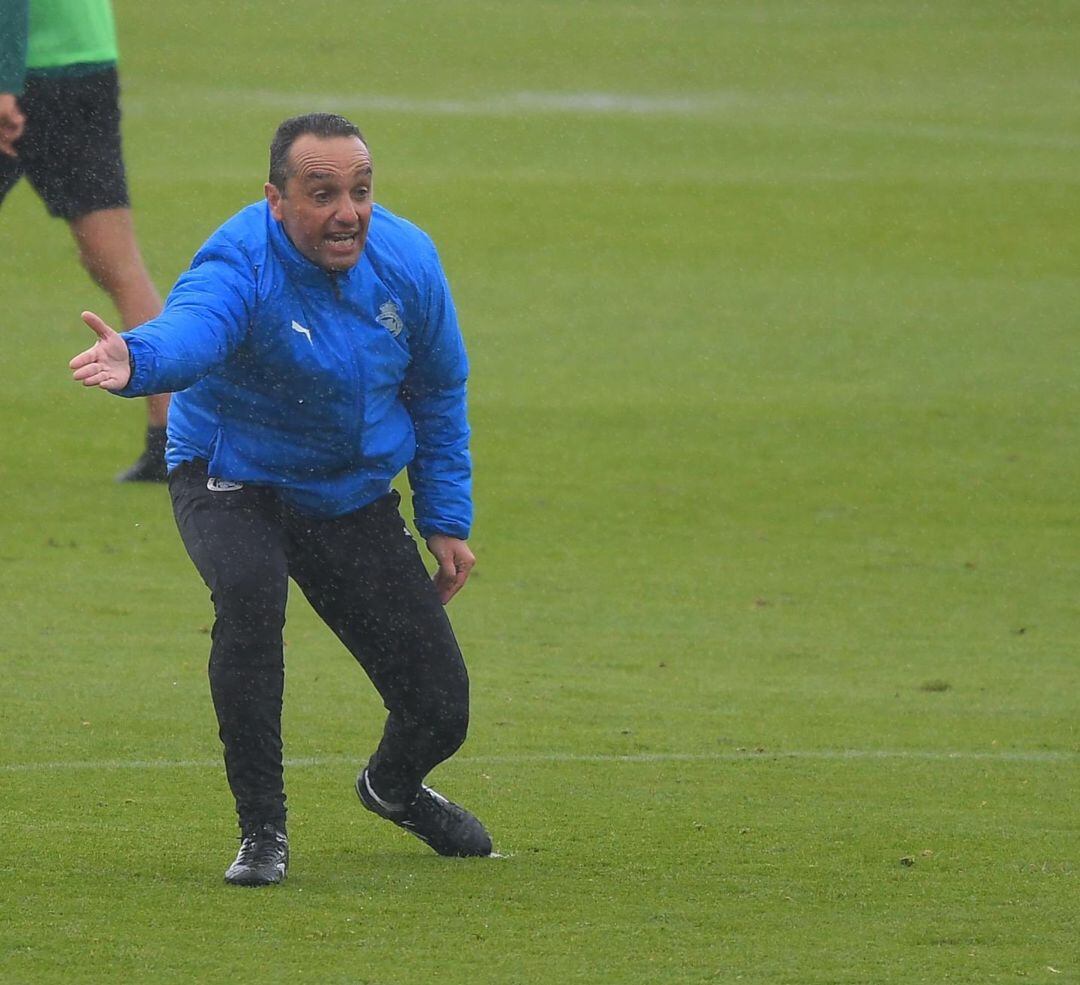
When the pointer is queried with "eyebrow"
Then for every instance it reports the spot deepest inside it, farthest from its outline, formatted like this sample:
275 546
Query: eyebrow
365 172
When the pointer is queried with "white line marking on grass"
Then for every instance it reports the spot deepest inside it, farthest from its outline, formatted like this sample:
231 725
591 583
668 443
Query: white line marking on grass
774 754
502 104
822 755
777 111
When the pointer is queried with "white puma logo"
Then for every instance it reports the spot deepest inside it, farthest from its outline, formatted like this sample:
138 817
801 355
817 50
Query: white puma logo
306 332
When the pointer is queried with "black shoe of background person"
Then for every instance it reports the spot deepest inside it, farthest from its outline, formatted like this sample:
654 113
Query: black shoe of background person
150 465
439 823
263 858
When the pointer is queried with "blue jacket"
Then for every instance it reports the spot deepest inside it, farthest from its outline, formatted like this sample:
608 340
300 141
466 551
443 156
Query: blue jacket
324 384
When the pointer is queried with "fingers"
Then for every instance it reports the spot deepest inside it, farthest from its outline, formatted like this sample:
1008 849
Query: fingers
12 123
455 559
452 574
83 359
446 580
88 362
448 585
92 373
11 129
97 326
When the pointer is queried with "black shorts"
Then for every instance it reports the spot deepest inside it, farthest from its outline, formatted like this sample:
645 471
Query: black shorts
70 148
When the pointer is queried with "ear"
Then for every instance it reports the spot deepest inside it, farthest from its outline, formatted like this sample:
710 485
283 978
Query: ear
273 196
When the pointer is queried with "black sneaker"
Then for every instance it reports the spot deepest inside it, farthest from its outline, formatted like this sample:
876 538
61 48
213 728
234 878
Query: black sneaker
263 857
150 465
436 821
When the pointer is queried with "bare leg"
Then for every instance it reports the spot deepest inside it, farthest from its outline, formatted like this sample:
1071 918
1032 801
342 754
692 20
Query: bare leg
110 253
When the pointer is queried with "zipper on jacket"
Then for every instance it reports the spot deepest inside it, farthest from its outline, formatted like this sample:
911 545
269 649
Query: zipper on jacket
336 277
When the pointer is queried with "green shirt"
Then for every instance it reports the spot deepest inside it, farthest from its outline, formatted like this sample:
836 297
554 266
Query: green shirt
46 37
70 32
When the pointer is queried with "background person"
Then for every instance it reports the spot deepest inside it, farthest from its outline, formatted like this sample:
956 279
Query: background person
60 126
315 352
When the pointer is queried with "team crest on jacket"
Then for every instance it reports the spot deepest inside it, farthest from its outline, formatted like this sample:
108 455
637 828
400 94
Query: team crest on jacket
390 318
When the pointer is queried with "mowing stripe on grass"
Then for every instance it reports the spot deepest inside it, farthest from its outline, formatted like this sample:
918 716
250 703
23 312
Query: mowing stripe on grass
836 755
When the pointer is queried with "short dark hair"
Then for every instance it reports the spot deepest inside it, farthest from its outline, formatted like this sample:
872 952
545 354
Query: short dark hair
319 124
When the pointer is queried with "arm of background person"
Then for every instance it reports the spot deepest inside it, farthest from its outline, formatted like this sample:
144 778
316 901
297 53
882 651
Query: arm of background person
14 15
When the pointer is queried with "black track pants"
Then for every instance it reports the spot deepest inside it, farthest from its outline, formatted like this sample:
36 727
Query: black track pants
363 575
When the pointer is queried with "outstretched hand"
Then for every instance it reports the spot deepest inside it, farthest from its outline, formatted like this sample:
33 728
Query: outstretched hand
455 562
104 364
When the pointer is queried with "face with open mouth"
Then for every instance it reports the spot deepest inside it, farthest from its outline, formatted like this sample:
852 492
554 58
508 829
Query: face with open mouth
326 204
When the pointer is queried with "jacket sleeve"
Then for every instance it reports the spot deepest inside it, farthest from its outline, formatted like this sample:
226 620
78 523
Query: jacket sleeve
434 394
206 317
15 21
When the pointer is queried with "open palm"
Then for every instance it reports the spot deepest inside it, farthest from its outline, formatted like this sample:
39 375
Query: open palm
104 364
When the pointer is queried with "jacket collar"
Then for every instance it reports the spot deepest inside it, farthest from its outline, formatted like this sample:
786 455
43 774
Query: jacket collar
300 268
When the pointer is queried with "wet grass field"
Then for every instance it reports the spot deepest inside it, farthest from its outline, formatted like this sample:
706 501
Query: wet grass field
772 310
